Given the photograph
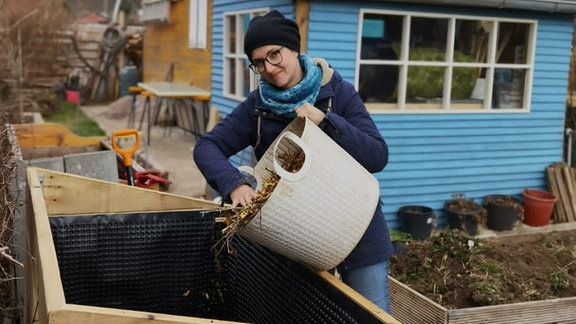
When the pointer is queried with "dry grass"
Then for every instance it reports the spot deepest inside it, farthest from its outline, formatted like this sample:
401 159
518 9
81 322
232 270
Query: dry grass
8 204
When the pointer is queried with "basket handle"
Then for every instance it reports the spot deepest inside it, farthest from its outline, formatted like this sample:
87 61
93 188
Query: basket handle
307 160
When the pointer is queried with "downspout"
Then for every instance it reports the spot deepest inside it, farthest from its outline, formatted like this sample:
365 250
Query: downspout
115 12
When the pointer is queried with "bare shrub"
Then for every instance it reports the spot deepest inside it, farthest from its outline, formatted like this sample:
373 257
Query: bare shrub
9 308
32 50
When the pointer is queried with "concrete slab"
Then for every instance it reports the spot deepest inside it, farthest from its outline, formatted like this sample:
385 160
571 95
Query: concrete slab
51 163
98 165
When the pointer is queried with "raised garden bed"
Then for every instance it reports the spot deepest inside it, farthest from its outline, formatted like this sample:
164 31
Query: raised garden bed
527 277
107 253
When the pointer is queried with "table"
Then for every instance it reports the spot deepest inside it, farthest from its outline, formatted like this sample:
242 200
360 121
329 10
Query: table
185 93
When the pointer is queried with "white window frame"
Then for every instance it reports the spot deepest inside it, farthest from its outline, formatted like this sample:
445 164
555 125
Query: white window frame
198 24
239 57
401 106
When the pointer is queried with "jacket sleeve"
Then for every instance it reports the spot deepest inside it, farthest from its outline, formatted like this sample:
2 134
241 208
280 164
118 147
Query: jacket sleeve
352 127
231 135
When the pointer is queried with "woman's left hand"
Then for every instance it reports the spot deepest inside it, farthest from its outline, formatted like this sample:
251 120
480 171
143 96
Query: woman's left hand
308 111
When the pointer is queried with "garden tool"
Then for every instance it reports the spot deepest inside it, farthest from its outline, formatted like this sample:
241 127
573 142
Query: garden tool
146 178
127 153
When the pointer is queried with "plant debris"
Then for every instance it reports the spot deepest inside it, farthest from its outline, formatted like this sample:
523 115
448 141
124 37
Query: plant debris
457 271
238 218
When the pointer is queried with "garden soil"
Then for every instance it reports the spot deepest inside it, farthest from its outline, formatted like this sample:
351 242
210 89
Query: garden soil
457 271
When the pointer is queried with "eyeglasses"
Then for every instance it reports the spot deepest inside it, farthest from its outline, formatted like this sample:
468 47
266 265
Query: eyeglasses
273 57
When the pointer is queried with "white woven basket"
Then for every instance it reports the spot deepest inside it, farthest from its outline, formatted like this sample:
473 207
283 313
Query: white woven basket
317 215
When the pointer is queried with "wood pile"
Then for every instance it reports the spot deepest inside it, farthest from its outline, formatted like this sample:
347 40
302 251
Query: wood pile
562 183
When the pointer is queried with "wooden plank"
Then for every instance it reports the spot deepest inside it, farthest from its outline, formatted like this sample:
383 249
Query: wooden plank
534 312
358 299
571 193
573 181
411 307
70 194
51 135
35 305
564 199
553 185
51 293
71 313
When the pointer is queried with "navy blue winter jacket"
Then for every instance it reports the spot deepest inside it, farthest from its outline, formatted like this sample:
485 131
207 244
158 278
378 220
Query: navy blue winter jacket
347 122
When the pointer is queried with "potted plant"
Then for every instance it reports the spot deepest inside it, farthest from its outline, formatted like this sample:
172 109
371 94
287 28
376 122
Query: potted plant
399 240
502 212
464 214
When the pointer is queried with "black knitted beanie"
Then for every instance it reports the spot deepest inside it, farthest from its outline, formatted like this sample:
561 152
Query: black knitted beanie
271 29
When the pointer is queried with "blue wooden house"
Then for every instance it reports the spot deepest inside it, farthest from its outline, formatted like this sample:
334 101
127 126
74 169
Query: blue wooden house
469 95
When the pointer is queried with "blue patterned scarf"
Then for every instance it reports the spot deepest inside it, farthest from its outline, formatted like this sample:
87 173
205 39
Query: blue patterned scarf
282 102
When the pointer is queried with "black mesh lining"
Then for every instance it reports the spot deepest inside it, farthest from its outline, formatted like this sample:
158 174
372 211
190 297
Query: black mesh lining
164 263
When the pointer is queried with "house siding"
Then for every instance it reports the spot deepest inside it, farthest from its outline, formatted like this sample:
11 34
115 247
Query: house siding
433 156
166 44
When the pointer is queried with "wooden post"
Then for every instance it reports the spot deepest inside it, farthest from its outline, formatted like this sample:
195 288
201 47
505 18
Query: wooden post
301 13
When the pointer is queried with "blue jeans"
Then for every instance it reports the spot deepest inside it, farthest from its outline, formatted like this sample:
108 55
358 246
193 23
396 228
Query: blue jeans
371 282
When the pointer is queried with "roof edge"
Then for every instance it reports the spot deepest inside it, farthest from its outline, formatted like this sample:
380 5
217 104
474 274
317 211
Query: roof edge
553 6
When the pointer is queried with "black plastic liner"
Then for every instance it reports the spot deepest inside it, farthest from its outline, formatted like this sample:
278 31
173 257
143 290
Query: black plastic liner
165 263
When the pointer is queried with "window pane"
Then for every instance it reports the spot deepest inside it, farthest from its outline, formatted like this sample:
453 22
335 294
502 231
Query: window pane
232 76
471 40
231 40
246 78
381 37
512 43
425 83
245 19
509 88
463 82
428 39
378 83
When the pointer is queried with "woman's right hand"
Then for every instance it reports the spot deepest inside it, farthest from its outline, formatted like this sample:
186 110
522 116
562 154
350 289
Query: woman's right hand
242 195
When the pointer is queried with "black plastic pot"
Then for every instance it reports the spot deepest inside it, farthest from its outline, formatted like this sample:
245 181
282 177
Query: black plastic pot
417 220
502 212
465 219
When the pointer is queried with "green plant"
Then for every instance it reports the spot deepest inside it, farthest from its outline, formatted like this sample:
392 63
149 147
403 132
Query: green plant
428 81
397 235
559 279
75 120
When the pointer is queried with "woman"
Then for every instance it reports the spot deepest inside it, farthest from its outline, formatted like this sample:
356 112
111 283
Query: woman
292 85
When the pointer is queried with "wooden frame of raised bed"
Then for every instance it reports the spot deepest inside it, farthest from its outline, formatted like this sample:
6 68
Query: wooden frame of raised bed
58 194
411 307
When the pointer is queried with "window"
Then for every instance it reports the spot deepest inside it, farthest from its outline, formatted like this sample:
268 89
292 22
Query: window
197 33
155 11
435 63
239 80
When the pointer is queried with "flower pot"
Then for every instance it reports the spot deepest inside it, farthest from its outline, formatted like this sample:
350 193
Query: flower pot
502 212
464 214
538 207
417 220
